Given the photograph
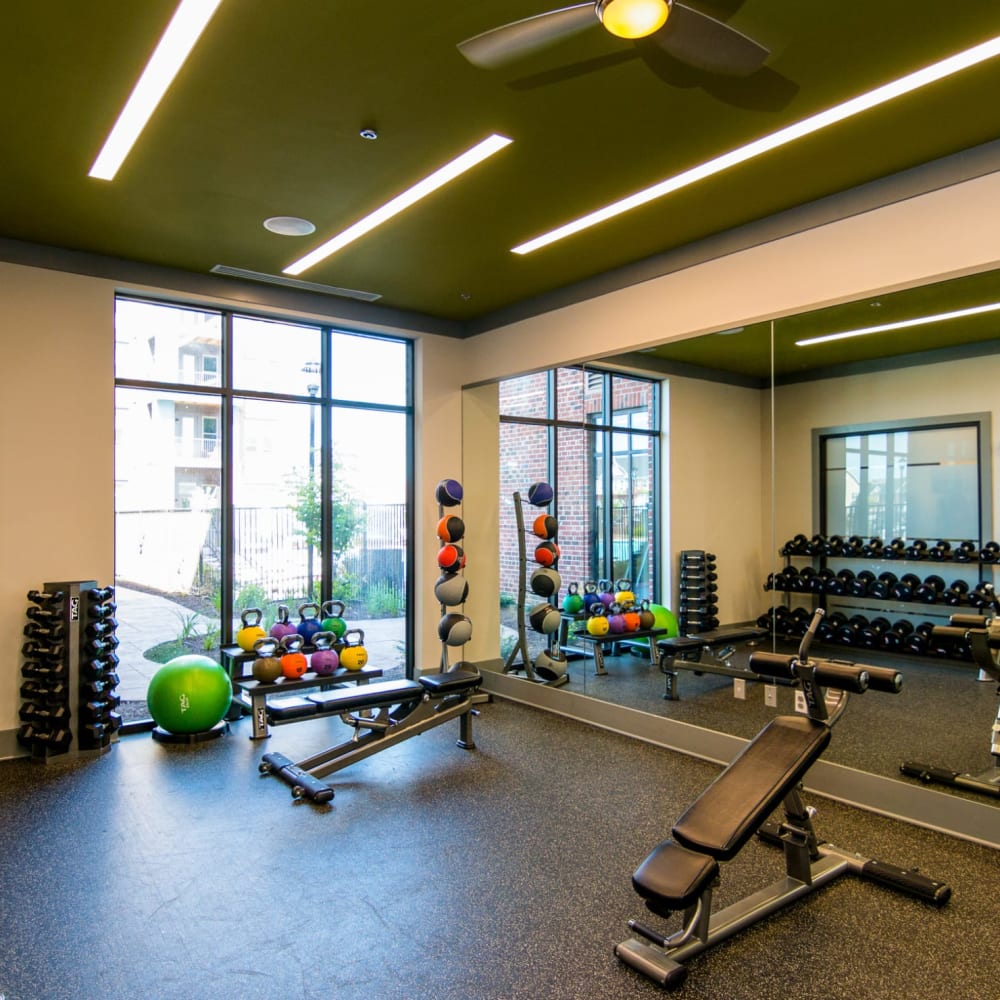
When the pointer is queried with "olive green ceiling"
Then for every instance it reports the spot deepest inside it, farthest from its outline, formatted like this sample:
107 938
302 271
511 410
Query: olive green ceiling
264 120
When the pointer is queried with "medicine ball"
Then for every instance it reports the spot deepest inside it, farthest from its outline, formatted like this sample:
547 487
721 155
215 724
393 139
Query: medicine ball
451 589
450 528
451 558
547 553
551 664
544 618
540 494
455 629
545 526
545 582
448 493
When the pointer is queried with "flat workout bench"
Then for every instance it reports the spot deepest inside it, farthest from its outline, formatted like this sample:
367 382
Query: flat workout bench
680 873
705 653
403 709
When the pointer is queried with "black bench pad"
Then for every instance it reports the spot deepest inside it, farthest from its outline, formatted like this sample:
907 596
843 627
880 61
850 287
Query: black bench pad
716 637
451 681
672 877
721 820
367 696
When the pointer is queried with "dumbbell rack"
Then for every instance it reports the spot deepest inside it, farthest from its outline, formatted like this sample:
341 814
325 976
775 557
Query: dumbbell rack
698 599
883 591
519 658
68 697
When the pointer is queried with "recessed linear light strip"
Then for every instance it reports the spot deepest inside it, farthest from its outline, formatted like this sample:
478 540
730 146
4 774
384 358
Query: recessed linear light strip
175 45
901 324
873 98
410 196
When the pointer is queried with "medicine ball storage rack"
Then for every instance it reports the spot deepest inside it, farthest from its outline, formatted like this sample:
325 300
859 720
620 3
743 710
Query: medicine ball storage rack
550 666
698 598
451 590
886 593
68 697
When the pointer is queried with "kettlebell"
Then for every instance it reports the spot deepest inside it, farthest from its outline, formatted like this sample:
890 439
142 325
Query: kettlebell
551 664
267 667
282 626
631 616
308 626
251 631
623 592
597 621
616 620
646 617
293 661
590 595
324 661
354 655
573 601
605 593
333 618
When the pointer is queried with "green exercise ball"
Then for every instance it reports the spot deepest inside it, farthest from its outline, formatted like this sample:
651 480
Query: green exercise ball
665 618
190 694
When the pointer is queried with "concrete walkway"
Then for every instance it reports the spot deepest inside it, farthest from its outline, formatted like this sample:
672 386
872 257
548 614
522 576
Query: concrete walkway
146 620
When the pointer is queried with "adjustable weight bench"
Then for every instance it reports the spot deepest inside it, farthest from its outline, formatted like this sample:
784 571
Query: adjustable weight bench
680 873
382 715
705 653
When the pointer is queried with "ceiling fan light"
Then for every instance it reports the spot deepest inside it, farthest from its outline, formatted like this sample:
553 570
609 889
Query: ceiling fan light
633 18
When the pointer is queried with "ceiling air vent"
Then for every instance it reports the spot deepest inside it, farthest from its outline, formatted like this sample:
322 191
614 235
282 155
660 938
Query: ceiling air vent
305 286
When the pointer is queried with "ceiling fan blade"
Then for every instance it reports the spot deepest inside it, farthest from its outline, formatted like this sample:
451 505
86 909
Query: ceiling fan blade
705 43
501 45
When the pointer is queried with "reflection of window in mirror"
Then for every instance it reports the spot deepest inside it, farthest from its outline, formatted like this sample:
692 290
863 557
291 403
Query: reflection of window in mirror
921 480
594 435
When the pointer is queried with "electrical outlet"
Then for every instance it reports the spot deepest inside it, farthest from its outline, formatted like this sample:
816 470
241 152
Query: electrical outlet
740 688
771 695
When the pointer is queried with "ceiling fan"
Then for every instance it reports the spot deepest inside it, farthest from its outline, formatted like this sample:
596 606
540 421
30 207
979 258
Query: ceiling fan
686 34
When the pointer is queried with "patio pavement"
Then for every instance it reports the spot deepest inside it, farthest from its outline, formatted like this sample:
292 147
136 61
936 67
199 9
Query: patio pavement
145 620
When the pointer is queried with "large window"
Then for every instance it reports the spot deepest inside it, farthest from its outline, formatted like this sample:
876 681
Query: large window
922 479
259 463
594 436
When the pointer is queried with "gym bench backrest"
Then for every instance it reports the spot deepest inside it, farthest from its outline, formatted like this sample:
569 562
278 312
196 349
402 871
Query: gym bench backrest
721 820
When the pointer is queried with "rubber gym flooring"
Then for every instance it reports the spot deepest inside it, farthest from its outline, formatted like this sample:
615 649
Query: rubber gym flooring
503 873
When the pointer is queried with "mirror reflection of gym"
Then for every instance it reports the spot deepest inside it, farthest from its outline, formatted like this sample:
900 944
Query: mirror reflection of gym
890 379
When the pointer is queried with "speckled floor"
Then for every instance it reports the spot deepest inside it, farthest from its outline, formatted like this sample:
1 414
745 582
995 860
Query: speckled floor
498 874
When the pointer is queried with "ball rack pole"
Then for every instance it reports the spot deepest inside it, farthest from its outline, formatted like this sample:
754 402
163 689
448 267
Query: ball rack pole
521 645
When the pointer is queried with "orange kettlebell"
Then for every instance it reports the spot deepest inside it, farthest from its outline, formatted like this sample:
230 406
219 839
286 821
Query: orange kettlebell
293 661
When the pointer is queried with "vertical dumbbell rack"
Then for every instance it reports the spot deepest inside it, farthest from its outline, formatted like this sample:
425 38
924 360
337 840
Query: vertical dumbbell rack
698 600
69 676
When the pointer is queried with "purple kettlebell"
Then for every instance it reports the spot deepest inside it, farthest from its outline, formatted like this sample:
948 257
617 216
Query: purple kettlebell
324 661
282 626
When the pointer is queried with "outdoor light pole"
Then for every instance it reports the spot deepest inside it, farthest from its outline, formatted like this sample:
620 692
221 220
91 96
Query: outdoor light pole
313 390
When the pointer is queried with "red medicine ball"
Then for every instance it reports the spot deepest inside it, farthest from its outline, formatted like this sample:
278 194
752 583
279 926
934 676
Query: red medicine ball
547 553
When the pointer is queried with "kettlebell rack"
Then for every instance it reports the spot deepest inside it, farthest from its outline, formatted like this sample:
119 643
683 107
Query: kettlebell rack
519 658
878 594
69 677
698 599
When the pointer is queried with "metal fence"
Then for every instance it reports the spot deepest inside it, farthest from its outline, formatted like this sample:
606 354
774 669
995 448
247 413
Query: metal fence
270 551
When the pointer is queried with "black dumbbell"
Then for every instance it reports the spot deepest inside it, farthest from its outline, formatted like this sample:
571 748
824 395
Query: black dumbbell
797 546
854 546
966 551
955 594
940 551
989 553
905 587
872 549
870 635
882 587
930 591
832 584
896 549
45 599
917 549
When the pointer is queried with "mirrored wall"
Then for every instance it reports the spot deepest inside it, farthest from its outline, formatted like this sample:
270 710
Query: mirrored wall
742 415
